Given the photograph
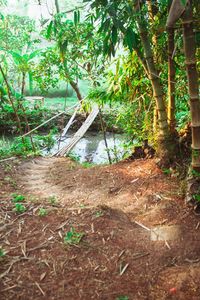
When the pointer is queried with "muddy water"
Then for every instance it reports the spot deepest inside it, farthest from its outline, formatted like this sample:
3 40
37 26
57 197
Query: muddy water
91 148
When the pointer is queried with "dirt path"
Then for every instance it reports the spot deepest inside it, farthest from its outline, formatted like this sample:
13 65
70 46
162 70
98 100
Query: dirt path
140 241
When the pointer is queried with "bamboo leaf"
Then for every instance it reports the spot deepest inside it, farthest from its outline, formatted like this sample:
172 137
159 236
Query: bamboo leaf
105 26
130 39
1 17
34 54
114 35
75 18
49 29
79 16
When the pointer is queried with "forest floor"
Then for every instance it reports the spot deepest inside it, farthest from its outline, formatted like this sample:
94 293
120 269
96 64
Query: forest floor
106 232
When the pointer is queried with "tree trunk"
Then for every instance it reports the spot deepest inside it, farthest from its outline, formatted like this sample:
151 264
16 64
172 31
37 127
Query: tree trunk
23 83
165 141
152 7
75 87
155 120
171 80
154 77
57 6
11 101
190 51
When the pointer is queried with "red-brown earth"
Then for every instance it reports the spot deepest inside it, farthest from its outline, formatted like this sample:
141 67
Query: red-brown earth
139 239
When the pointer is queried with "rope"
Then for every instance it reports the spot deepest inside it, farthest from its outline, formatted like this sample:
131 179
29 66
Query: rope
54 117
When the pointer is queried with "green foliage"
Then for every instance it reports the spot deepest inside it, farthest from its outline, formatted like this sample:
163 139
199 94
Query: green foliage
73 237
34 116
99 213
2 253
19 208
46 141
74 156
42 212
15 32
22 147
195 173
87 164
52 200
122 298
166 171
75 55
16 198
196 197
131 39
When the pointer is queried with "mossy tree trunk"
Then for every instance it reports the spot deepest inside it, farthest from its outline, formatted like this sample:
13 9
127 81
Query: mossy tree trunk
165 142
171 80
192 74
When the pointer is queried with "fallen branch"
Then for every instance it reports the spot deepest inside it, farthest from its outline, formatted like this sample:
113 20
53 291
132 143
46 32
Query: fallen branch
40 289
6 159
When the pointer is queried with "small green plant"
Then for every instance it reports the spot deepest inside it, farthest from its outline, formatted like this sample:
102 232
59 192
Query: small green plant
73 237
2 253
99 214
19 208
52 200
197 197
166 171
17 198
42 212
74 156
122 298
8 168
195 173
87 164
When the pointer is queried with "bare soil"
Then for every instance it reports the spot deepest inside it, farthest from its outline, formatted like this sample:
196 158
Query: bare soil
139 239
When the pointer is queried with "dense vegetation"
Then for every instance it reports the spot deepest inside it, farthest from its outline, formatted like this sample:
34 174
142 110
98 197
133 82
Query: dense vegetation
137 56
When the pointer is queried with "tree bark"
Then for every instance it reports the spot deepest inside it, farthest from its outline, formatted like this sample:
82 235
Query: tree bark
23 83
75 87
171 80
165 141
190 51
11 101
57 7
154 77
152 7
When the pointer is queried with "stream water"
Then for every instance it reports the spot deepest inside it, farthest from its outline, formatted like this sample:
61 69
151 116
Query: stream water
91 148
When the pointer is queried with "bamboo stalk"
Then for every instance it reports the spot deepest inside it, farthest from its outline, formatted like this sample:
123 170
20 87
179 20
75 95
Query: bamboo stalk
192 74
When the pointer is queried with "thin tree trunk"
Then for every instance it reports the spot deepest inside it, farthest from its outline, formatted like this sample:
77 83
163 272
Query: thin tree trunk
11 102
154 77
75 87
171 80
57 6
23 83
190 51
73 84
24 112
104 136
166 142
